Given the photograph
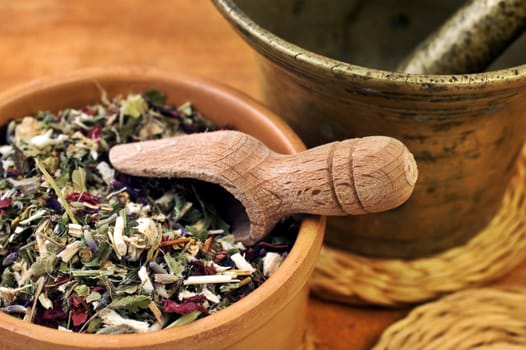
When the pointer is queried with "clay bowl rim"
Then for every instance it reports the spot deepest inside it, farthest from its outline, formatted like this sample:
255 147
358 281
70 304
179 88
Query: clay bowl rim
305 60
307 246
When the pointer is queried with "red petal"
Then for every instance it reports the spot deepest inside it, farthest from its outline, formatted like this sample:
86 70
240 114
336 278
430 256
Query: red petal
185 307
95 132
199 298
88 111
199 268
82 197
54 314
75 300
5 203
79 316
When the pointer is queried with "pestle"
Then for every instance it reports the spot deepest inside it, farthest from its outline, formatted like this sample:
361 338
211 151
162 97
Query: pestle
354 176
470 40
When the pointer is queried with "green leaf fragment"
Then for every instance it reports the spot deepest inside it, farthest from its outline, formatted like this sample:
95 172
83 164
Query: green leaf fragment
199 230
94 325
131 303
82 290
57 190
93 296
78 176
189 214
155 245
185 319
8 279
186 108
126 289
92 273
44 265
176 267
134 106
155 96
51 163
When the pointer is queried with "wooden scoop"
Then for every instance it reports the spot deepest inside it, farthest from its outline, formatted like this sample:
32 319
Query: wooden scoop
354 176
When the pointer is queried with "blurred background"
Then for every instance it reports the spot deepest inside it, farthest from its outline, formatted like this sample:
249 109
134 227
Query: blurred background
39 38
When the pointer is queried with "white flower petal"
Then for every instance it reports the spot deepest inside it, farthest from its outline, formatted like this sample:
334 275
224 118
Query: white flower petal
117 238
106 171
147 285
271 262
112 318
70 251
241 263
211 297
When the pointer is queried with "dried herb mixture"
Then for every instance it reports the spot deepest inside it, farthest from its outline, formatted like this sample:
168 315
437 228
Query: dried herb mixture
84 248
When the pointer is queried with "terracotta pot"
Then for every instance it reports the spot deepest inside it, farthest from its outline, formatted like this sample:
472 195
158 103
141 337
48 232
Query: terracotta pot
274 315
465 131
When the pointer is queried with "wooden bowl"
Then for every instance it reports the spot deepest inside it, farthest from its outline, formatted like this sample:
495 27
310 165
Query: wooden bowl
332 77
271 317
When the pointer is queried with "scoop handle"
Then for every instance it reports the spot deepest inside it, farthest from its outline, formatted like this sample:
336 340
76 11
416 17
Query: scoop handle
354 176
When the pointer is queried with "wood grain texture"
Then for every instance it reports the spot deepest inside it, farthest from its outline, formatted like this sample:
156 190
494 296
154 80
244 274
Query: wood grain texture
350 177
39 38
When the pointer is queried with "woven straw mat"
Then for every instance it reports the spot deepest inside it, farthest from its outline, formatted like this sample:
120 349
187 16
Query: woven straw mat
485 318
344 277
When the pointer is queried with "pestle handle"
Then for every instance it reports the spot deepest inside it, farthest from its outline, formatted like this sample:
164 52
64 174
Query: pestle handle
470 40
354 176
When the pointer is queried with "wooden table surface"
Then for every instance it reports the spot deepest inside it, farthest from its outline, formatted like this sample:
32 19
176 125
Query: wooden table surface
44 37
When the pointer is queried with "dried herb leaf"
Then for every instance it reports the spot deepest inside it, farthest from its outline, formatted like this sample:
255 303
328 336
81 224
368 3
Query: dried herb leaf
134 106
78 176
185 319
131 303
176 266
82 290
155 96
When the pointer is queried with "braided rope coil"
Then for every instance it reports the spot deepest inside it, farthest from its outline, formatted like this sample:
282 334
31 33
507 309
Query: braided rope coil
484 318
